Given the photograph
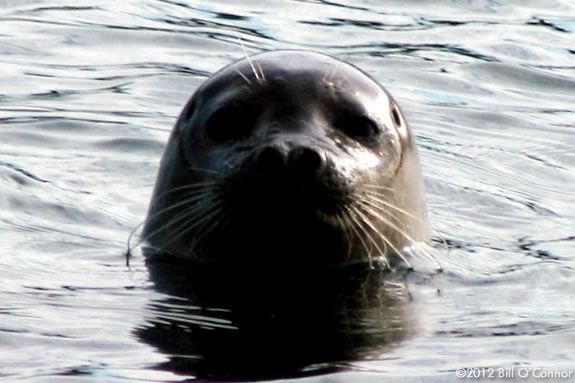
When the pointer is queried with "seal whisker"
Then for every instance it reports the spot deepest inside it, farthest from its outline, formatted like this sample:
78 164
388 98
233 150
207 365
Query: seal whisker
178 217
204 230
201 226
189 187
183 229
367 197
129 248
399 230
377 188
344 222
193 197
167 209
377 198
248 58
263 78
397 251
204 170
360 218
243 76
354 227
359 230
227 163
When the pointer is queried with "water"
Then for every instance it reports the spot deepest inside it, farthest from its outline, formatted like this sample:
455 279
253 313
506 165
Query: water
90 89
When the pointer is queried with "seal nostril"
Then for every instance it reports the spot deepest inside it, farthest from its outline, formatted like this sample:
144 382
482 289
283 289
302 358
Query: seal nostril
305 160
270 159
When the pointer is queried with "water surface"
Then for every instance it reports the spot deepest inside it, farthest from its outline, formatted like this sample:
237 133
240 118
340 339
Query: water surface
89 91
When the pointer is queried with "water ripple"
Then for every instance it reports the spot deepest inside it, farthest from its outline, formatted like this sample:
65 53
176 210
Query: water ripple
90 91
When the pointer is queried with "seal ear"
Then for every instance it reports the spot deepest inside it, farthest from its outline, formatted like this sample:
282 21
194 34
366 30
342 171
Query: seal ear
399 122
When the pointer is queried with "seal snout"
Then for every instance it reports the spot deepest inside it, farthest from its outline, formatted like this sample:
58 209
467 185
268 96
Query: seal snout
294 177
270 159
299 161
305 160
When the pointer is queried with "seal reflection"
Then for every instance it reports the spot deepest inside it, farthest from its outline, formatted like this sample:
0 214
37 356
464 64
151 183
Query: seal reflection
222 324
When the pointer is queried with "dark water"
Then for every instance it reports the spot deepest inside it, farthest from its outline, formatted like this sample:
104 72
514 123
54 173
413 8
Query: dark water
90 89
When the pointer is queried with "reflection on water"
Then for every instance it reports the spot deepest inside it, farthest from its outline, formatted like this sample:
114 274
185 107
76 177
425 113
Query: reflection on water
272 323
89 92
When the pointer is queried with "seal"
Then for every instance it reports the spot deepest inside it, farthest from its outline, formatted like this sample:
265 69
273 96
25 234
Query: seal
288 157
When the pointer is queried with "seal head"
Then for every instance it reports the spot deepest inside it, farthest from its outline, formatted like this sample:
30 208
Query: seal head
288 156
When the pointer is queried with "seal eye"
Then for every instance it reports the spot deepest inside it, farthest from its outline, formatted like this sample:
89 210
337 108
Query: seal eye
230 123
358 127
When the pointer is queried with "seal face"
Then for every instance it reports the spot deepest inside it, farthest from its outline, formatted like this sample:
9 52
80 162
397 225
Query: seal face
288 155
